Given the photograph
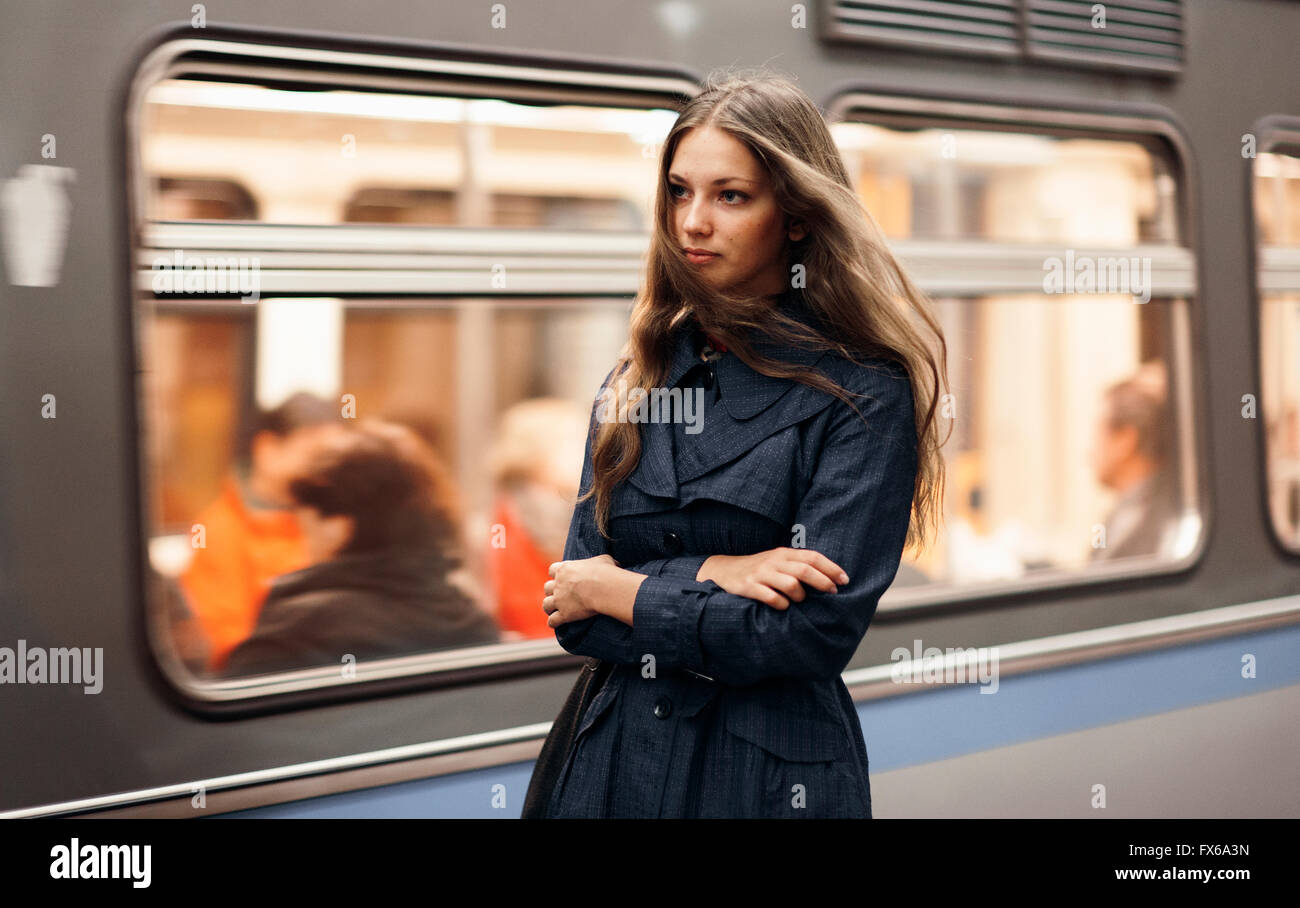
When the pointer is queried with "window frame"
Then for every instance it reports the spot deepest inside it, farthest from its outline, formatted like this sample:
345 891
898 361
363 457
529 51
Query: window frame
415 67
1271 132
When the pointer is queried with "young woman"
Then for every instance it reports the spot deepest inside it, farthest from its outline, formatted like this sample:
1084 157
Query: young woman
725 563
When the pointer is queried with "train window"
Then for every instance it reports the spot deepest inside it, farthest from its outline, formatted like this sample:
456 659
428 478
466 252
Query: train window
951 184
1277 215
312 157
454 481
375 294
1064 453
1055 258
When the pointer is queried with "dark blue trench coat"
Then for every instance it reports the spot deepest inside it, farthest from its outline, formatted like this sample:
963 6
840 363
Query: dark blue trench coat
719 705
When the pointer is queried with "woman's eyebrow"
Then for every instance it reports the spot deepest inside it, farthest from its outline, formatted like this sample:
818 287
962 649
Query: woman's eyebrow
719 180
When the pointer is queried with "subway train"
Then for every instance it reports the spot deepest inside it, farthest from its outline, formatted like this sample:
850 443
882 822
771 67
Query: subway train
434 216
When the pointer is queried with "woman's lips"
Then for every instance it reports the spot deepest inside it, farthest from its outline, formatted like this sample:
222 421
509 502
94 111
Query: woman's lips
699 258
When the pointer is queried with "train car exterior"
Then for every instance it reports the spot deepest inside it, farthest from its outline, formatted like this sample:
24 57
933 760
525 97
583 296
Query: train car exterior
494 200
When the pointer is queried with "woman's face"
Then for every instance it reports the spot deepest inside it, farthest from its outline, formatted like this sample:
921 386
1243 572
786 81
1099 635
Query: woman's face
722 203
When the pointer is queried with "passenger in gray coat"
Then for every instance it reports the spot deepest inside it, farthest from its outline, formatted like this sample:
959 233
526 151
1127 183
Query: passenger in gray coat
1130 455
725 697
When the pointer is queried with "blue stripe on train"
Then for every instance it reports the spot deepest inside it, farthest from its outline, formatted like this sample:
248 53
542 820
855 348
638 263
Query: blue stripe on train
918 728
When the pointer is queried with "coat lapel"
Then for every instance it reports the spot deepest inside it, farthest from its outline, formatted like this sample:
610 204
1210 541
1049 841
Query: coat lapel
655 476
753 407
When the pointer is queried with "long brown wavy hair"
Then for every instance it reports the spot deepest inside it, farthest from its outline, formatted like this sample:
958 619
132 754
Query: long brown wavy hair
853 283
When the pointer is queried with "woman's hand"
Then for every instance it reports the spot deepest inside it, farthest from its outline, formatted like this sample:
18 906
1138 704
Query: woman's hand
579 588
774 577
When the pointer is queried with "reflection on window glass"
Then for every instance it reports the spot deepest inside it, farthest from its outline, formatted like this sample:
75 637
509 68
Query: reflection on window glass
1064 453
1280 358
330 157
965 184
1277 207
1277 199
1067 451
178 199
379 494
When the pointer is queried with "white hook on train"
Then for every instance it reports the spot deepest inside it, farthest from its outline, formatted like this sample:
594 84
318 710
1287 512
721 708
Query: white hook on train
36 209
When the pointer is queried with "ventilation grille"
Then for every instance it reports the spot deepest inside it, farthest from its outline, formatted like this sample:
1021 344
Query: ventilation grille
980 26
1144 35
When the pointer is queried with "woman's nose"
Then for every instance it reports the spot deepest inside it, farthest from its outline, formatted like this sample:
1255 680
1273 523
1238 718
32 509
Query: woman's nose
696 218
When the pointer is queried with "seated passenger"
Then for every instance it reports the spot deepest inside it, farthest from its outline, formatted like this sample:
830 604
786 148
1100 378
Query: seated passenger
1129 457
250 535
383 542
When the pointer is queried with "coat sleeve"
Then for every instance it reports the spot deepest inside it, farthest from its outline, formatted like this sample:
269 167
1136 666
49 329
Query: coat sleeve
600 635
856 512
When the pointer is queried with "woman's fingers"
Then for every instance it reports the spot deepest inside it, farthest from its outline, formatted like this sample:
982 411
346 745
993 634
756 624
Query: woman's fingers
810 575
766 595
784 583
820 562
777 588
778 577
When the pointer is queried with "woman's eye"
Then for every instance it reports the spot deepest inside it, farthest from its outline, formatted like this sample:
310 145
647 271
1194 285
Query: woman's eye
740 196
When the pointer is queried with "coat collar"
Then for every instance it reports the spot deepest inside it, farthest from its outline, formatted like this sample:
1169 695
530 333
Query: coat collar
733 428
746 392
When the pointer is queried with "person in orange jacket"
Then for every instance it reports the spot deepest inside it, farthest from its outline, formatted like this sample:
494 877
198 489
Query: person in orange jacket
535 458
249 534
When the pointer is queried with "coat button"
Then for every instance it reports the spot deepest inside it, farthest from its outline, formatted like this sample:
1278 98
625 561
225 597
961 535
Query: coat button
663 708
672 543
